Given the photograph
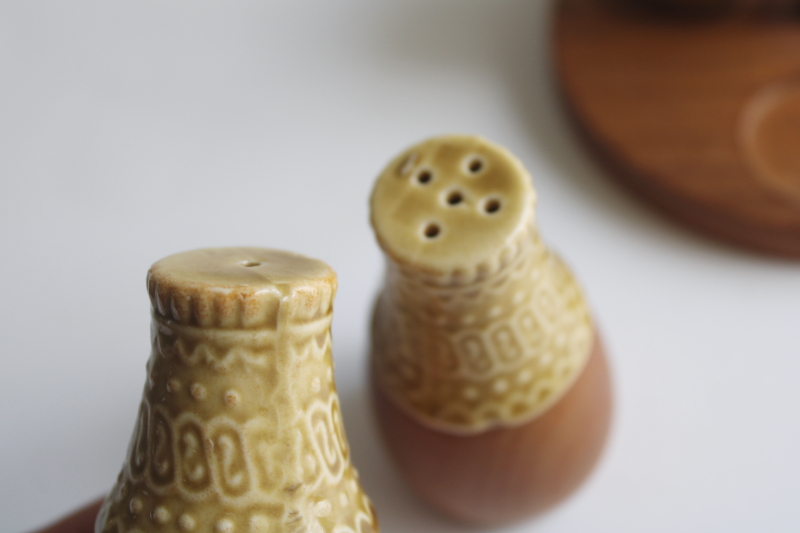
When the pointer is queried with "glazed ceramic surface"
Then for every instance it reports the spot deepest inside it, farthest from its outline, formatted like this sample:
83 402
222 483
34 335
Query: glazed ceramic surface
478 325
239 428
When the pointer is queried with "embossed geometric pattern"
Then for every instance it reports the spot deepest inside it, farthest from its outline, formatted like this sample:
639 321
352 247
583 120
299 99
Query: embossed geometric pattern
498 352
239 430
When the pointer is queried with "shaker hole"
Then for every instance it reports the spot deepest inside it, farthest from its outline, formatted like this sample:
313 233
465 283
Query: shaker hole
250 263
475 166
432 231
424 177
492 206
455 198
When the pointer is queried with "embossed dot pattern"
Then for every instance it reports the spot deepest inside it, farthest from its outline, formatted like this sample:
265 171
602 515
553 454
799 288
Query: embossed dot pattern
480 325
186 522
461 359
198 391
239 429
161 515
224 526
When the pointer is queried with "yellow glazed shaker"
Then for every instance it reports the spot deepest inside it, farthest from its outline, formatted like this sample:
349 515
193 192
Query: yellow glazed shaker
491 387
239 428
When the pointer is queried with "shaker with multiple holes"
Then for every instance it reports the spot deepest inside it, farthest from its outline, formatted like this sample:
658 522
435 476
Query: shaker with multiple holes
239 429
491 386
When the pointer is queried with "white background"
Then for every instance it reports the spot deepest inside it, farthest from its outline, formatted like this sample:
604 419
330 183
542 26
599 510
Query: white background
130 131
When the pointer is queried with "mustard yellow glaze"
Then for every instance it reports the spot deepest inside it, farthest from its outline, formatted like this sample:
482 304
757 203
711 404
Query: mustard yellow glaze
450 205
239 429
480 326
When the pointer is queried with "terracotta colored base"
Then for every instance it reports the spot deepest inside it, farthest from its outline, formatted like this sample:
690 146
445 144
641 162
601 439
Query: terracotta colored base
505 475
81 521
699 117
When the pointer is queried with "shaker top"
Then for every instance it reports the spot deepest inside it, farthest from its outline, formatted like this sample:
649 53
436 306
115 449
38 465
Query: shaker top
239 287
451 204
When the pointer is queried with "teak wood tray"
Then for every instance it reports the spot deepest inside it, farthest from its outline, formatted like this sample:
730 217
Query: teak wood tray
700 117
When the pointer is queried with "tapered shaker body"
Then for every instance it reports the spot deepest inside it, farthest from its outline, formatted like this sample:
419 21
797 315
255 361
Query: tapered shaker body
491 386
239 428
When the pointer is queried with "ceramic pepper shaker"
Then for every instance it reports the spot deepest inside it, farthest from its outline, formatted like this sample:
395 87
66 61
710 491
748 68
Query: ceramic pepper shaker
239 428
490 383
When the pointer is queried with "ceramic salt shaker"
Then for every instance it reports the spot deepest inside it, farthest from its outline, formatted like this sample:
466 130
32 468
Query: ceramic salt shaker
491 386
239 428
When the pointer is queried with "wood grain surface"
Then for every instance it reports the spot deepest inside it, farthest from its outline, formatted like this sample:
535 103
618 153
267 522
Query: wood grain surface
505 475
698 116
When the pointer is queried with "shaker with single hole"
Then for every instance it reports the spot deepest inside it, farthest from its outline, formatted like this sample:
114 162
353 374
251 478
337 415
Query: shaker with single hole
491 386
239 429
